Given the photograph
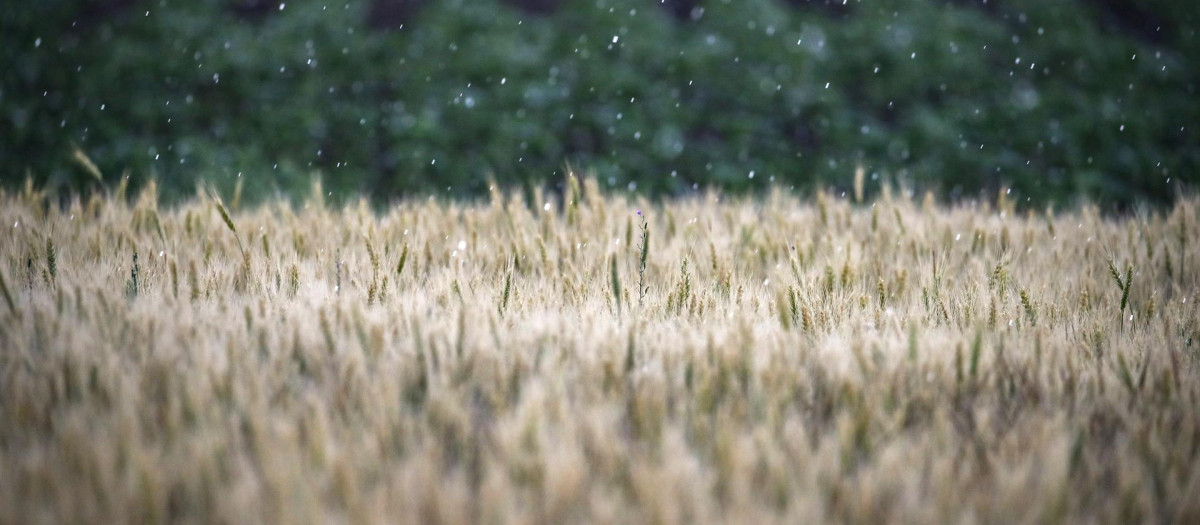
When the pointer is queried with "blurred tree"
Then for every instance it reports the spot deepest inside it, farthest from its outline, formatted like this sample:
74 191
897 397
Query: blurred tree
1059 100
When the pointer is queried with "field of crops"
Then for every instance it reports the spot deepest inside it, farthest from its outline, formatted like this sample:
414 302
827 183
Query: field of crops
589 357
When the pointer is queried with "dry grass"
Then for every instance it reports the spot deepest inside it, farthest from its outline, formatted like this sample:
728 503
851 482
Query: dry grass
779 361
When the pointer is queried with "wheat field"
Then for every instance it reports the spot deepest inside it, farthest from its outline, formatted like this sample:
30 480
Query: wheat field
583 356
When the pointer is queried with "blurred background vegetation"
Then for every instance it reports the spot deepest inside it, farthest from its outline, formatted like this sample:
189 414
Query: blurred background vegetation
390 98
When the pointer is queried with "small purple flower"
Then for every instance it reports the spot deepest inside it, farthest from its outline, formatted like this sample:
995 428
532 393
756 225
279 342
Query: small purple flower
639 212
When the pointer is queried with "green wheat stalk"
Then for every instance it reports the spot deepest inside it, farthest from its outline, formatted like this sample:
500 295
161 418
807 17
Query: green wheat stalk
1122 284
644 252
131 288
507 292
1030 312
8 298
976 350
616 283
229 223
403 259
51 260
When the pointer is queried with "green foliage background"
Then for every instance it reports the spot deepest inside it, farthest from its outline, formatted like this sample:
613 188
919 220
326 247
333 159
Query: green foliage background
1059 100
